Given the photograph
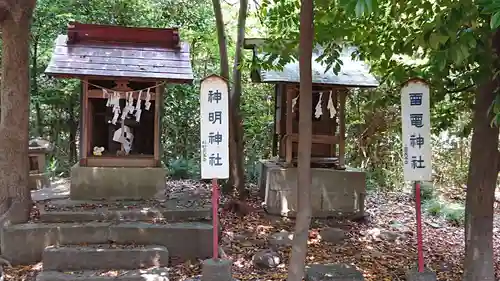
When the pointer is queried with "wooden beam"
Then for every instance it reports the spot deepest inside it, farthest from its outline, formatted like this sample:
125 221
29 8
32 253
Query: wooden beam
289 125
85 126
157 126
97 94
319 139
342 97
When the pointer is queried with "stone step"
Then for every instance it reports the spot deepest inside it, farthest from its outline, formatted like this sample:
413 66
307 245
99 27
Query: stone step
155 274
146 214
107 256
24 243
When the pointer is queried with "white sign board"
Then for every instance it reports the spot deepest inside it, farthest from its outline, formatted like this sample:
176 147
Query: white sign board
214 127
415 110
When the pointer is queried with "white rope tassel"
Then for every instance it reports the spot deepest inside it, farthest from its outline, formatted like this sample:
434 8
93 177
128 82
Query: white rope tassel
294 102
319 108
331 106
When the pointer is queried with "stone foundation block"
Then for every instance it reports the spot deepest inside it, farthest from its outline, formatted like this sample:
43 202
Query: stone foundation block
333 272
426 275
115 183
103 257
216 270
156 274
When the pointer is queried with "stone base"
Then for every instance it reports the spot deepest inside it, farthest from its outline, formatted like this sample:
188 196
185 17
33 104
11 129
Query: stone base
414 275
333 272
115 183
38 181
334 193
216 270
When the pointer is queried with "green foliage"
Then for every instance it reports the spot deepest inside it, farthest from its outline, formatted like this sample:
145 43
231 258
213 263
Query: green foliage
182 168
453 213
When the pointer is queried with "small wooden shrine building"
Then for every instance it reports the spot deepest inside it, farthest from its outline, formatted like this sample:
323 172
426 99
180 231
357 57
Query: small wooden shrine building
123 72
335 189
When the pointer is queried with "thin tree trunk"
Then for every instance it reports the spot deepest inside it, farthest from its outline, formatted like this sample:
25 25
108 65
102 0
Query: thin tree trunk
481 184
14 168
301 234
224 72
221 38
236 130
34 88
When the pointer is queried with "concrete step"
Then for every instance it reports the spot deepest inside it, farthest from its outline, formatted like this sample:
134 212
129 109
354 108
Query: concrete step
117 215
155 274
106 256
24 243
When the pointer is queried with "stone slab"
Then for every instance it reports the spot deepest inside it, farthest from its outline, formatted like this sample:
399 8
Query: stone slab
149 214
216 270
155 274
73 257
414 275
334 193
191 240
25 243
115 183
333 272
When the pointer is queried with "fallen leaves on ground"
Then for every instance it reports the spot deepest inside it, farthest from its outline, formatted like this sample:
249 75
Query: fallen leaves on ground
379 258
383 247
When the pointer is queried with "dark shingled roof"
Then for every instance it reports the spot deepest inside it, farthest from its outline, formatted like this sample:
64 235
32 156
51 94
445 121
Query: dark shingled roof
100 59
353 73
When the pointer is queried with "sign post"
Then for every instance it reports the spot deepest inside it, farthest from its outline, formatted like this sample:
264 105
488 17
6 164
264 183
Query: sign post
214 137
415 110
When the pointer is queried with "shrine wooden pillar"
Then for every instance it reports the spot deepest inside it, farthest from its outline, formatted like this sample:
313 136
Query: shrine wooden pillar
341 137
289 126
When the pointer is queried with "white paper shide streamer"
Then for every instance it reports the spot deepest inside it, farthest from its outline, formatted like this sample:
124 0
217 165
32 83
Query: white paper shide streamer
331 106
319 107
124 134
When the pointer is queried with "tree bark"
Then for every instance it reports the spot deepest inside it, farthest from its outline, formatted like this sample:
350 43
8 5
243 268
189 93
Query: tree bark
301 234
481 184
221 38
14 118
236 130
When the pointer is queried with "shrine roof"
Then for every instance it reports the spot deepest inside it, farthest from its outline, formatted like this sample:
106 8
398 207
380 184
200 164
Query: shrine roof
353 73
121 52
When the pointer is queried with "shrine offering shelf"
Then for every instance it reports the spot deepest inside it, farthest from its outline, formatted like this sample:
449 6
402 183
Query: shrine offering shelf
321 139
122 161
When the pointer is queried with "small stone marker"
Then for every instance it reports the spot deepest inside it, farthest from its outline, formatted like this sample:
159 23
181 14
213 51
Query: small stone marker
333 272
216 270
414 275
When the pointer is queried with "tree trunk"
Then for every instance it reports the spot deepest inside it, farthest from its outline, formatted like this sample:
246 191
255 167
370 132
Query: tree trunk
221 38
481 185
236 130
14 170
224 72
301 234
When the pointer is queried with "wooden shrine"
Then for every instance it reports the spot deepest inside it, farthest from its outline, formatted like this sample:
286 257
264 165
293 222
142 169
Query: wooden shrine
123 73
335 189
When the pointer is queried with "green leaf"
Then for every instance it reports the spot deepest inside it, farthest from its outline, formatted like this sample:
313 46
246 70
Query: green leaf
360 8
435 40
495 20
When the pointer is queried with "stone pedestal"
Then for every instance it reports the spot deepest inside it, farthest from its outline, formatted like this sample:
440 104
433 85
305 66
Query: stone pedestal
333 272
37 151
115 183
334 193
216 270
414 275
